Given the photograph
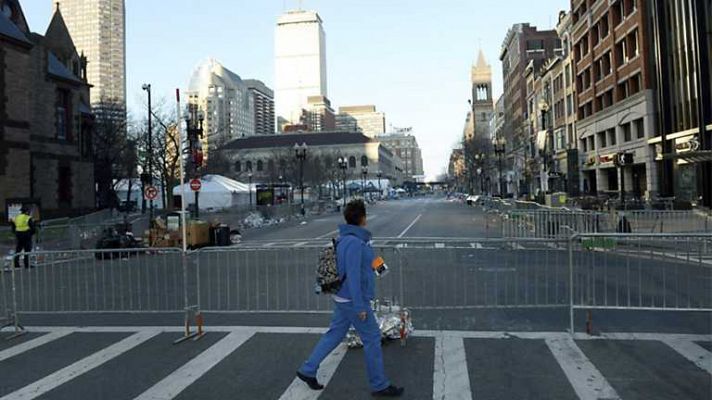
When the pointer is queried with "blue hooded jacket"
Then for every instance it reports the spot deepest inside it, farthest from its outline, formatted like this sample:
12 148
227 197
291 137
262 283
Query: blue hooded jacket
354 256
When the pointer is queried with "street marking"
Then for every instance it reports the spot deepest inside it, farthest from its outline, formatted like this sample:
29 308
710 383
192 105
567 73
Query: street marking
439 245
332 233
476 245
517 246
450 377
299 390
80 367
184 376
300 244
585 378
31 344
693 352
268 244
410 226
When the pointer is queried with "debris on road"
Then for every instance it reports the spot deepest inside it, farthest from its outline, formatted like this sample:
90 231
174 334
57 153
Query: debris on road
393 320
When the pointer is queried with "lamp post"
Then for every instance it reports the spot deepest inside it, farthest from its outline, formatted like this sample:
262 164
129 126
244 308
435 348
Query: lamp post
379 174
147 88
499 149
544 109
300 152
194 126
249 186
343 166
364 174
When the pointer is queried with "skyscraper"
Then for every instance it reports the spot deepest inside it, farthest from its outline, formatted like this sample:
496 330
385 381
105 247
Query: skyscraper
361 118
263 98
300 64
98 28
226 102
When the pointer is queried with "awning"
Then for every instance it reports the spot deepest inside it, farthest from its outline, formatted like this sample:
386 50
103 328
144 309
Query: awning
541 140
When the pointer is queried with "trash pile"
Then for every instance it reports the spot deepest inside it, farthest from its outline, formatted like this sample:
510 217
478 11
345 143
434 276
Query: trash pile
255 220
393 320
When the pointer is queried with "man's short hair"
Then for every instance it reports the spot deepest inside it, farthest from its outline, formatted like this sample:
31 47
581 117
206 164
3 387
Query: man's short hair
354 212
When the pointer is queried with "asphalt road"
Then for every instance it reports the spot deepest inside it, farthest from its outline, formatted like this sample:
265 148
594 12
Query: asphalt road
447 263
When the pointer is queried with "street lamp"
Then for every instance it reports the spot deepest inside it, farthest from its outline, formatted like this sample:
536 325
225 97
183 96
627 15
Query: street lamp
544 109
343 166
149 157
364 174
379 174
249 186
499 149
194 126
300 152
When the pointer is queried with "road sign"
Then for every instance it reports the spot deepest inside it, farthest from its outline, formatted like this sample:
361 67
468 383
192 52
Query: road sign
195 185
150 193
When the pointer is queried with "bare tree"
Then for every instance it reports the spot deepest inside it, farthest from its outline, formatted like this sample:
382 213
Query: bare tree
114 154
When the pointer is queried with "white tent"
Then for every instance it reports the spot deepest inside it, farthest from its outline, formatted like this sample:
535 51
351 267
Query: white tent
122 191
217 192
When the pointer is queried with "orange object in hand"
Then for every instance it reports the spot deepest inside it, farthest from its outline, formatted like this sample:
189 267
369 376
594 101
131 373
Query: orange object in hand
379 266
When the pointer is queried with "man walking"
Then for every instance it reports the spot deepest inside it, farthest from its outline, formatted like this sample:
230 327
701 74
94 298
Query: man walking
352 306
23 227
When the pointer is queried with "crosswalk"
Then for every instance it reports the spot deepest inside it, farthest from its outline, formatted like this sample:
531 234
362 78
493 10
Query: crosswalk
258 362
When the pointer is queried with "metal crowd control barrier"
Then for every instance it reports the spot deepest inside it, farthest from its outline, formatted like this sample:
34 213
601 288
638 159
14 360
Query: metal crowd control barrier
640 272
584 271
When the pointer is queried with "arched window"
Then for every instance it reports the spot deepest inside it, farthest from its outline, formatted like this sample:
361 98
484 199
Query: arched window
270 166
248 165
260 166
238 166
352 162
364 161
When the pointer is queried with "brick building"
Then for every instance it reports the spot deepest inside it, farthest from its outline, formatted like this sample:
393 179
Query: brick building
46 123
614 96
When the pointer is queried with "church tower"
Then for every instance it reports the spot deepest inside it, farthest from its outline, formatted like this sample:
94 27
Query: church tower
482 103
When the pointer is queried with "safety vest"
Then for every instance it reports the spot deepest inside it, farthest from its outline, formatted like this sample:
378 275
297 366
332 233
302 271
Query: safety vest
22 223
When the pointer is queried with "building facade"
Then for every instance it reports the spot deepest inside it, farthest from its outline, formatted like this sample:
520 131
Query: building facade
365 119
300 64
614 97
271 158
263 101
405 146
319 115
522 44
98 28
46 150
681 44
226 102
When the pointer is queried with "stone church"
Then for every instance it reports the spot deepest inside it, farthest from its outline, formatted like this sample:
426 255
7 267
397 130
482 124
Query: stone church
45 120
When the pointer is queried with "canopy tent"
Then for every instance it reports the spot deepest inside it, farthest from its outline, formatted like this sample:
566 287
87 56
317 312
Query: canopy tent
217 192
122 190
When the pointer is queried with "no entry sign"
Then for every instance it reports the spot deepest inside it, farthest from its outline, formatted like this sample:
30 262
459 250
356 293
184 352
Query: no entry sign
195 185
150 193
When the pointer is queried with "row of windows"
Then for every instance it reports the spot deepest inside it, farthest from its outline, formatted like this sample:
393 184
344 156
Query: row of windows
601 29
610 137
259 165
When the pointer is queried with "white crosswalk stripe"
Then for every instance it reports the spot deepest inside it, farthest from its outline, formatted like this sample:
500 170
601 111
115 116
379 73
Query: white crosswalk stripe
176 382
31 344
693 352
587 381
450 378
80 367
298 390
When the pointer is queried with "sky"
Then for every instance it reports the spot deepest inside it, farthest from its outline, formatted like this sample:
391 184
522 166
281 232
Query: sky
410 58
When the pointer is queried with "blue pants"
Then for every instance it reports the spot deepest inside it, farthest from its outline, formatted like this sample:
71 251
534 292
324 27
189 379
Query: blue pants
345 316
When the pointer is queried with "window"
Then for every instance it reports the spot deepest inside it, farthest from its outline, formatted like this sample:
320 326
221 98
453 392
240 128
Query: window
569 105
591 143
633 48
622 91
584 45
595 35
622 52
567 72
62 115
535 45
608 98
618 12
634 84
364 161
249 165
238 166
603 28
626 132
260 166
602 139
584 145
612 136
352 162
639 128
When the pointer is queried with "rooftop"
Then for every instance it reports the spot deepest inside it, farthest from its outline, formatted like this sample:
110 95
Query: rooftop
290 139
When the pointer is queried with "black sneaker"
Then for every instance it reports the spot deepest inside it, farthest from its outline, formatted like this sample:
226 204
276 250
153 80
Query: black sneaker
390 391
312 382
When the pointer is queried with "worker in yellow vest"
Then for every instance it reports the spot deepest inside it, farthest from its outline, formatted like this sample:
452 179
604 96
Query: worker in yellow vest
24 228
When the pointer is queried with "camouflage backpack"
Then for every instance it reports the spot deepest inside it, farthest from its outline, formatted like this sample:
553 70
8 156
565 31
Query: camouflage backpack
327 274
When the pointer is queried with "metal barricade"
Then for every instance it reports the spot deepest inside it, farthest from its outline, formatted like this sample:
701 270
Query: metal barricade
552 223
665 221
641 272
117 280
